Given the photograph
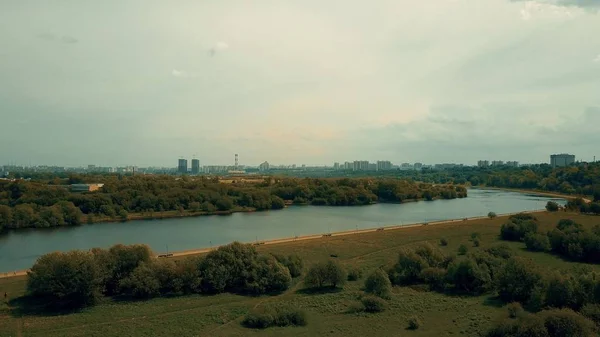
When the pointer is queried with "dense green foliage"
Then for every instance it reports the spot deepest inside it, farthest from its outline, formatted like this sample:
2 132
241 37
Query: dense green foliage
326 274
373 304
49 203
518 226
293 263
414 323
551 323
378 284
272 316
77 278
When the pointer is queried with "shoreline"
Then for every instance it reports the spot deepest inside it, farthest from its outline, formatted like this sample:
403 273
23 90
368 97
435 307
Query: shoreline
205 250
536 192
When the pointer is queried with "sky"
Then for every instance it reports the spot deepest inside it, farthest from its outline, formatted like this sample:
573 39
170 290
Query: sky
124 82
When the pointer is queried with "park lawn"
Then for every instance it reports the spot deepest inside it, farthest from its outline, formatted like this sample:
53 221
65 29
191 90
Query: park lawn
221 315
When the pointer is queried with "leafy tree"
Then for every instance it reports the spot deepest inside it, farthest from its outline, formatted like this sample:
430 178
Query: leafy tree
537 242
5 217
552 206
516 280
329 273
65 280
142 282
378 284
463 249
293 263
492 215
408 268
467 275
224 204
373 304
124 260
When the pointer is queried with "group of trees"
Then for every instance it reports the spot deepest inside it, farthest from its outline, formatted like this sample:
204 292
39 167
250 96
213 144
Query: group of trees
580 205
79 278
49 203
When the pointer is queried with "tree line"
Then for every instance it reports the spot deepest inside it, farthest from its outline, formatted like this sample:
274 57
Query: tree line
78 279
48 203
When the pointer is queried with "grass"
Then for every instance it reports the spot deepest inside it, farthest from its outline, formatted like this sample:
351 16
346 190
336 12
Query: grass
328 313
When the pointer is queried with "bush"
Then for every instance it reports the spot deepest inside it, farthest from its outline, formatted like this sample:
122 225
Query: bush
537 242
355 307
286 316
500 250
434 277
476 243
65 280
518 226
141 283
432 255
330 273
474 236
552 206
378 284
293 263
560 291
492 215
414 323
566 322
408 268
467 275
592 312
516 280
463 249
443 242
354 274
373 304
515 310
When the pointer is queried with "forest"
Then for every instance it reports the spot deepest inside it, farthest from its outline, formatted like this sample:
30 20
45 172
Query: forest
48 202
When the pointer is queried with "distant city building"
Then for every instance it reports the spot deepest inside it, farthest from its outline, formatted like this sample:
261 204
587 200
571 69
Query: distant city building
562 160
264 166
360 165
512 163
384 165
182 166
195 166
336 166
483 163
372 167
497 163
418 166
406 166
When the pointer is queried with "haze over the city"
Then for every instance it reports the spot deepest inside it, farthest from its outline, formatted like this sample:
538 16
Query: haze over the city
144 82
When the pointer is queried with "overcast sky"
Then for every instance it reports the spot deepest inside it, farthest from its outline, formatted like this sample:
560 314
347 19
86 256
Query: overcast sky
120 82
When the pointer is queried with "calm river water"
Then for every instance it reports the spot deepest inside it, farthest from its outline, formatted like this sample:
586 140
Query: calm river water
19 250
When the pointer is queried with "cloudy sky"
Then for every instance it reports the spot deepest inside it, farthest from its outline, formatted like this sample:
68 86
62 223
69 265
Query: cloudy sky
143 82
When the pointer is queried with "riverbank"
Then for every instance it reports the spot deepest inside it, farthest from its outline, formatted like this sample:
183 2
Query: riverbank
199 251
536 192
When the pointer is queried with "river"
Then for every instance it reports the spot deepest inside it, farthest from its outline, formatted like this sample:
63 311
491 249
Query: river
20 249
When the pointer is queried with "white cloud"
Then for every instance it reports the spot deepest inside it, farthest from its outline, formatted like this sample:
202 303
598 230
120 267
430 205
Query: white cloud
218 47
541 10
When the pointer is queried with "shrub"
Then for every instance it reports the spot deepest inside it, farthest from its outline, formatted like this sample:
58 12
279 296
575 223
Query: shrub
373 304
414 323
552 206
592 312
560 291
463 249
467 275
537 242
285 316
354 274
566 322
65 280
492 215
515 310
320 275
141 283
378 284
518 226
476 242
292 262
565 224
500 250
474 236
122 261
432 255
355 307
408 268
434 277
443 242
516 280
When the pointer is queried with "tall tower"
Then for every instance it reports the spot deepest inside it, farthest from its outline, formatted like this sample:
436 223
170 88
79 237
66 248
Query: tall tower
236 161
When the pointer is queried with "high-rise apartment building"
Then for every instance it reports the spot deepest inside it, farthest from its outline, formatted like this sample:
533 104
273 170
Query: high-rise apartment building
562 160
195 166
182 166
384 165
483 163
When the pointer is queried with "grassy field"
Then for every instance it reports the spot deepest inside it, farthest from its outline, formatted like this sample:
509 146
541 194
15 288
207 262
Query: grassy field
221 315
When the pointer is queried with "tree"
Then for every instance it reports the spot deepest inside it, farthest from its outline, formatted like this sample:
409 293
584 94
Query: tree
552 206
467 275
224 204
142 282
463 249
492 215
378 284
23 216
537 242
336 274
65 280
516 280
71 213
277 203
125 259
408 268
5 217
322 274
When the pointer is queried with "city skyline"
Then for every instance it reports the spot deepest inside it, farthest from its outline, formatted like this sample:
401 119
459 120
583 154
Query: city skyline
298 81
